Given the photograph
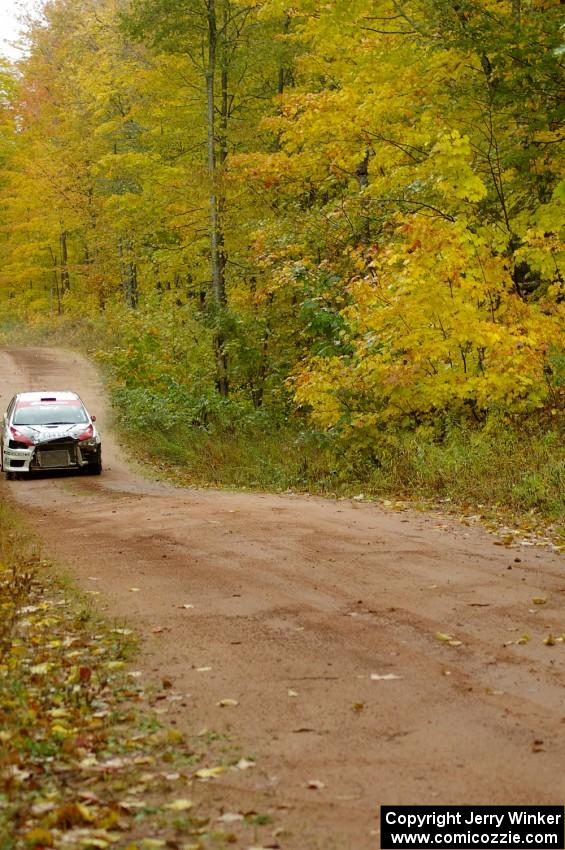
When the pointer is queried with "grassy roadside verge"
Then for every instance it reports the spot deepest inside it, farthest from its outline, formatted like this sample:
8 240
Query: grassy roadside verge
522 470
87 761
509 479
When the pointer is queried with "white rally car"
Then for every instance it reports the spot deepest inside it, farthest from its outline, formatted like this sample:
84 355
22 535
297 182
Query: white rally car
49 430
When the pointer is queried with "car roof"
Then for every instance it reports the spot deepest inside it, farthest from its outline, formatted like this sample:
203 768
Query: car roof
47 395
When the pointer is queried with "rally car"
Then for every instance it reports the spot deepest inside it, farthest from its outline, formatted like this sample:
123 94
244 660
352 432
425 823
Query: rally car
46 431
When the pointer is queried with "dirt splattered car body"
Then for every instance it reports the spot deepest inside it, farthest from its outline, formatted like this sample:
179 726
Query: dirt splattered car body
49 431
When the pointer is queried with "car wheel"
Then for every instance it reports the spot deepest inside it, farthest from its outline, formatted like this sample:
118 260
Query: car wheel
95 466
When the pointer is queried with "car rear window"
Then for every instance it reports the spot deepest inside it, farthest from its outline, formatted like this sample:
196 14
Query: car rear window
50 413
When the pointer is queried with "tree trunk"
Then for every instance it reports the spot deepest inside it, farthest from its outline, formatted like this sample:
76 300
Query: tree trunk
55 288
216 234
362 175
258 387
65 279
128 273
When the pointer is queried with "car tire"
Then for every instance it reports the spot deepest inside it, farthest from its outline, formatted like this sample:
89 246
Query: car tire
95 467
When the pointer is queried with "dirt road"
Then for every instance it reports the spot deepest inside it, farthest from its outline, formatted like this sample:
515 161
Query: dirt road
297 606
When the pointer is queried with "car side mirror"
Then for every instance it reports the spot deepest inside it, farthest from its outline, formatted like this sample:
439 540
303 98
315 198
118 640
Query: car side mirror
93 418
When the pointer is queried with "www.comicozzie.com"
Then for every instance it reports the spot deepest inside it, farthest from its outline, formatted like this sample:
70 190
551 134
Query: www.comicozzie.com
459 827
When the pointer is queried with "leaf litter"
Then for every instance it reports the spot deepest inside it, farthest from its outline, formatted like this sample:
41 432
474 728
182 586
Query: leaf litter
85 762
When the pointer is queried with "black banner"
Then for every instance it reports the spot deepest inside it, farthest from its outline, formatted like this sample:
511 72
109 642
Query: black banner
486 827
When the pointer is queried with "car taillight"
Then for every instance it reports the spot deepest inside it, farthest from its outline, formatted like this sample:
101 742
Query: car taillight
88 434
21 438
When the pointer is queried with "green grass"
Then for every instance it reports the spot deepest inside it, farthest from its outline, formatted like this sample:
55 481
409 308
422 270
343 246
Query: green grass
520 470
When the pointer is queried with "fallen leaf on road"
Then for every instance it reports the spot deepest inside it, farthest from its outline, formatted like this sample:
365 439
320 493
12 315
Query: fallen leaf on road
539 600
209 772
507 540
40 669
186 605
72 814
244 764
292 693
227 703
129 805
315 784
180 805
134 589
449 639
203 669
41 807
37 837
230 817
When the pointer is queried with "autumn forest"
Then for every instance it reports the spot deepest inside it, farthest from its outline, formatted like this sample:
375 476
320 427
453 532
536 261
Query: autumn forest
330 230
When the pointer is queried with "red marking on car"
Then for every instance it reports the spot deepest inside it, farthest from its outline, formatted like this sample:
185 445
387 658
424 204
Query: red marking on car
86 435
21 438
